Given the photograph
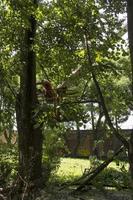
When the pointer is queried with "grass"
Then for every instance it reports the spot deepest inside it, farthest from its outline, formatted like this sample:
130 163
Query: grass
71 168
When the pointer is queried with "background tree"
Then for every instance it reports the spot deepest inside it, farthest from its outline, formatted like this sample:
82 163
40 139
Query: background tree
130 37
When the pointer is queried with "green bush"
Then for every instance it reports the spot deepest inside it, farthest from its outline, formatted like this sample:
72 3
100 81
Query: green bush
8 164
114 178
117 176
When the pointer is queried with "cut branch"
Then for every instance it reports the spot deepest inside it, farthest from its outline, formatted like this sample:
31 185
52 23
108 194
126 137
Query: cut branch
87 179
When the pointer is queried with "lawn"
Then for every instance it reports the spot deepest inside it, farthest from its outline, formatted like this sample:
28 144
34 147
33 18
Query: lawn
71 168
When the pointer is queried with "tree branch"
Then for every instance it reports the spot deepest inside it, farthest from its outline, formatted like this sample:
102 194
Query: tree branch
103 104
82 101
86 179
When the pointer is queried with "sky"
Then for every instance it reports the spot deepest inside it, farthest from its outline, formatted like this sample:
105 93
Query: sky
128 124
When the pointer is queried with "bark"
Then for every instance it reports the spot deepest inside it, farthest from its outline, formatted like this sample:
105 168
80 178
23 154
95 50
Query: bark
67 83
130 156
78 138
92 117
130 34
8 136
96 133
130 38
29 137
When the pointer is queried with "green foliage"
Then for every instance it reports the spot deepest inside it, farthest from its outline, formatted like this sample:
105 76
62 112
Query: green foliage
63 28
94 162
53 149
113 178
60 47
8 164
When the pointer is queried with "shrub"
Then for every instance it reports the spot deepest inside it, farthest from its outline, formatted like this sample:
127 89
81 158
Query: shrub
8 164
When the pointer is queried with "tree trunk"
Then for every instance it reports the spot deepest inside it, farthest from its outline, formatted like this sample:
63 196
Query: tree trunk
78 138
130 38
29 137
97 133
92 117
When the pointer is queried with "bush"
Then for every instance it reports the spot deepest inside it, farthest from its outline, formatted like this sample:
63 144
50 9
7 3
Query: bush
8 164
113 178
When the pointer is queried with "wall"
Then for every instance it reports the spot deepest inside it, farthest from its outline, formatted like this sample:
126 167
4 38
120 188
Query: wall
88 146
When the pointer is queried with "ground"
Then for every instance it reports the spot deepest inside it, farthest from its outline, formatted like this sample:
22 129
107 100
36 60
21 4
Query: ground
92 194
116 175
71 168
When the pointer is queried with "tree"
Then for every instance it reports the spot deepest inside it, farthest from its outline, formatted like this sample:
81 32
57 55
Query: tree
130 37
60 37
89 35
29 137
